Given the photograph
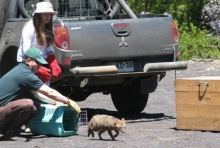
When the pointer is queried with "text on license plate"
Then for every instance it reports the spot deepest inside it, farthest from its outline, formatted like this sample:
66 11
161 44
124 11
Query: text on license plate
123 66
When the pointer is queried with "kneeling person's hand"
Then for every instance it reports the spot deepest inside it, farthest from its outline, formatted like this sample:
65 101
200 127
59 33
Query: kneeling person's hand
73 104
59 104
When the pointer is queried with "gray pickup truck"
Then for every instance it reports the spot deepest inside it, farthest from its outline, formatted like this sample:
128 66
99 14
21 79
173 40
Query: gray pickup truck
101 46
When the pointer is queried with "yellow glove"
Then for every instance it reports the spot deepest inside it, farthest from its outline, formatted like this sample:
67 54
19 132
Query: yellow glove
73 104
59 104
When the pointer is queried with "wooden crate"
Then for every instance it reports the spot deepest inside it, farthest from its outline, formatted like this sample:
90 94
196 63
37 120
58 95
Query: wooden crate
198 103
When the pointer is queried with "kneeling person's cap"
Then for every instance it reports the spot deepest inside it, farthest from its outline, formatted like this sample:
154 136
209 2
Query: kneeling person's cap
36 54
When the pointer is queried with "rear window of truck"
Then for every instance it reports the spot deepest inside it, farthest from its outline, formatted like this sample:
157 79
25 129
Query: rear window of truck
73 8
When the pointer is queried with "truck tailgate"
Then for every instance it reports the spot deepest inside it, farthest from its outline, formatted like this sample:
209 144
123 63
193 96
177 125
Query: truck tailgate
112 39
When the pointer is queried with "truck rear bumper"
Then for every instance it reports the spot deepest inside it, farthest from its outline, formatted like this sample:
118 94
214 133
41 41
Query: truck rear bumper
96 70
148 68
164 66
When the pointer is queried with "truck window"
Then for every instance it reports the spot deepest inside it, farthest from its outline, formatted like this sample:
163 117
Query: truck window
72 8
68 8
30 6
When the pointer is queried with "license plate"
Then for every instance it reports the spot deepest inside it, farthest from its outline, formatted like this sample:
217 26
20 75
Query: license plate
123 66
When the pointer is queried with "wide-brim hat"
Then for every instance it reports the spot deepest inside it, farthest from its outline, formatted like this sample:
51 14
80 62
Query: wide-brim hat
44 7
36 54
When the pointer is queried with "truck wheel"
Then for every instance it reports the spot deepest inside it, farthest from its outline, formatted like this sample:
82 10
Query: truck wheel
8 60
128 100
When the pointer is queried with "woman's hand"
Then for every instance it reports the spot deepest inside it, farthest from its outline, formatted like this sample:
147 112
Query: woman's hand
44 74
56 71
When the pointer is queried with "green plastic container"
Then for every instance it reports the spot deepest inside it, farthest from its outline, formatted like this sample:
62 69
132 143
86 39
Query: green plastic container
55 121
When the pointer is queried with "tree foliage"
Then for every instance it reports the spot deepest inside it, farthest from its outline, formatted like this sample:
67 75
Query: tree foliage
194 42
182 10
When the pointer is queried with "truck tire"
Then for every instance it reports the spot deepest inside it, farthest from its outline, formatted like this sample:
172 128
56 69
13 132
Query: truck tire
128 100
8 60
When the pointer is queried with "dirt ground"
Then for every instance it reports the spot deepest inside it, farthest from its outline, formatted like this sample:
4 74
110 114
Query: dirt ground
155 127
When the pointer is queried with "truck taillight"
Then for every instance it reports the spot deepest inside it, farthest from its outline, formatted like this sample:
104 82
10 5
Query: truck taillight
61 37
175 32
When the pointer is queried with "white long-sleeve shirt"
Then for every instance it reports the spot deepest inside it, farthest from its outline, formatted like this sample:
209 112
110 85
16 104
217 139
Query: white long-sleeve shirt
28 40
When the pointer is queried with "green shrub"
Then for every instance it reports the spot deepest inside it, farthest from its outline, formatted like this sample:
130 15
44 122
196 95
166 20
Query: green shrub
195 43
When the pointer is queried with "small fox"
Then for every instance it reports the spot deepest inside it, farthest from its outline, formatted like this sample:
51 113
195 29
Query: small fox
102 123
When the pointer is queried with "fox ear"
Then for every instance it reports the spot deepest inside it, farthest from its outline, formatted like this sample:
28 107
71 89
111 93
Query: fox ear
122 119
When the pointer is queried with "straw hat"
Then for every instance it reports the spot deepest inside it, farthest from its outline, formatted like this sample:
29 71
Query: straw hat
45 7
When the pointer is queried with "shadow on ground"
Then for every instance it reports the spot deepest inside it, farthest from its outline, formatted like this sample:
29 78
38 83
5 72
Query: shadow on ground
130 118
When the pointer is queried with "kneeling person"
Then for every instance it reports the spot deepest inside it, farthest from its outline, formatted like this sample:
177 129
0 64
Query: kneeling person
16 107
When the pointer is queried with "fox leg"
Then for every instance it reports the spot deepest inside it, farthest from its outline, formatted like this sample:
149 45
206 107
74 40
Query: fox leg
110 133
100 132
117 132
90 132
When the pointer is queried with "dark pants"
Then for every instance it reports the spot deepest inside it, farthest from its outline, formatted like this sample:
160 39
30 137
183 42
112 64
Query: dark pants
17 113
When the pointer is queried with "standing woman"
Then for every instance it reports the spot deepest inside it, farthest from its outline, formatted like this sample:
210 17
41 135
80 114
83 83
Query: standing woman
38 32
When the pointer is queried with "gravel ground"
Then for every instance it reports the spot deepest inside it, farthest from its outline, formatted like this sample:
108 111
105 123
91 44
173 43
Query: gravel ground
155 127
